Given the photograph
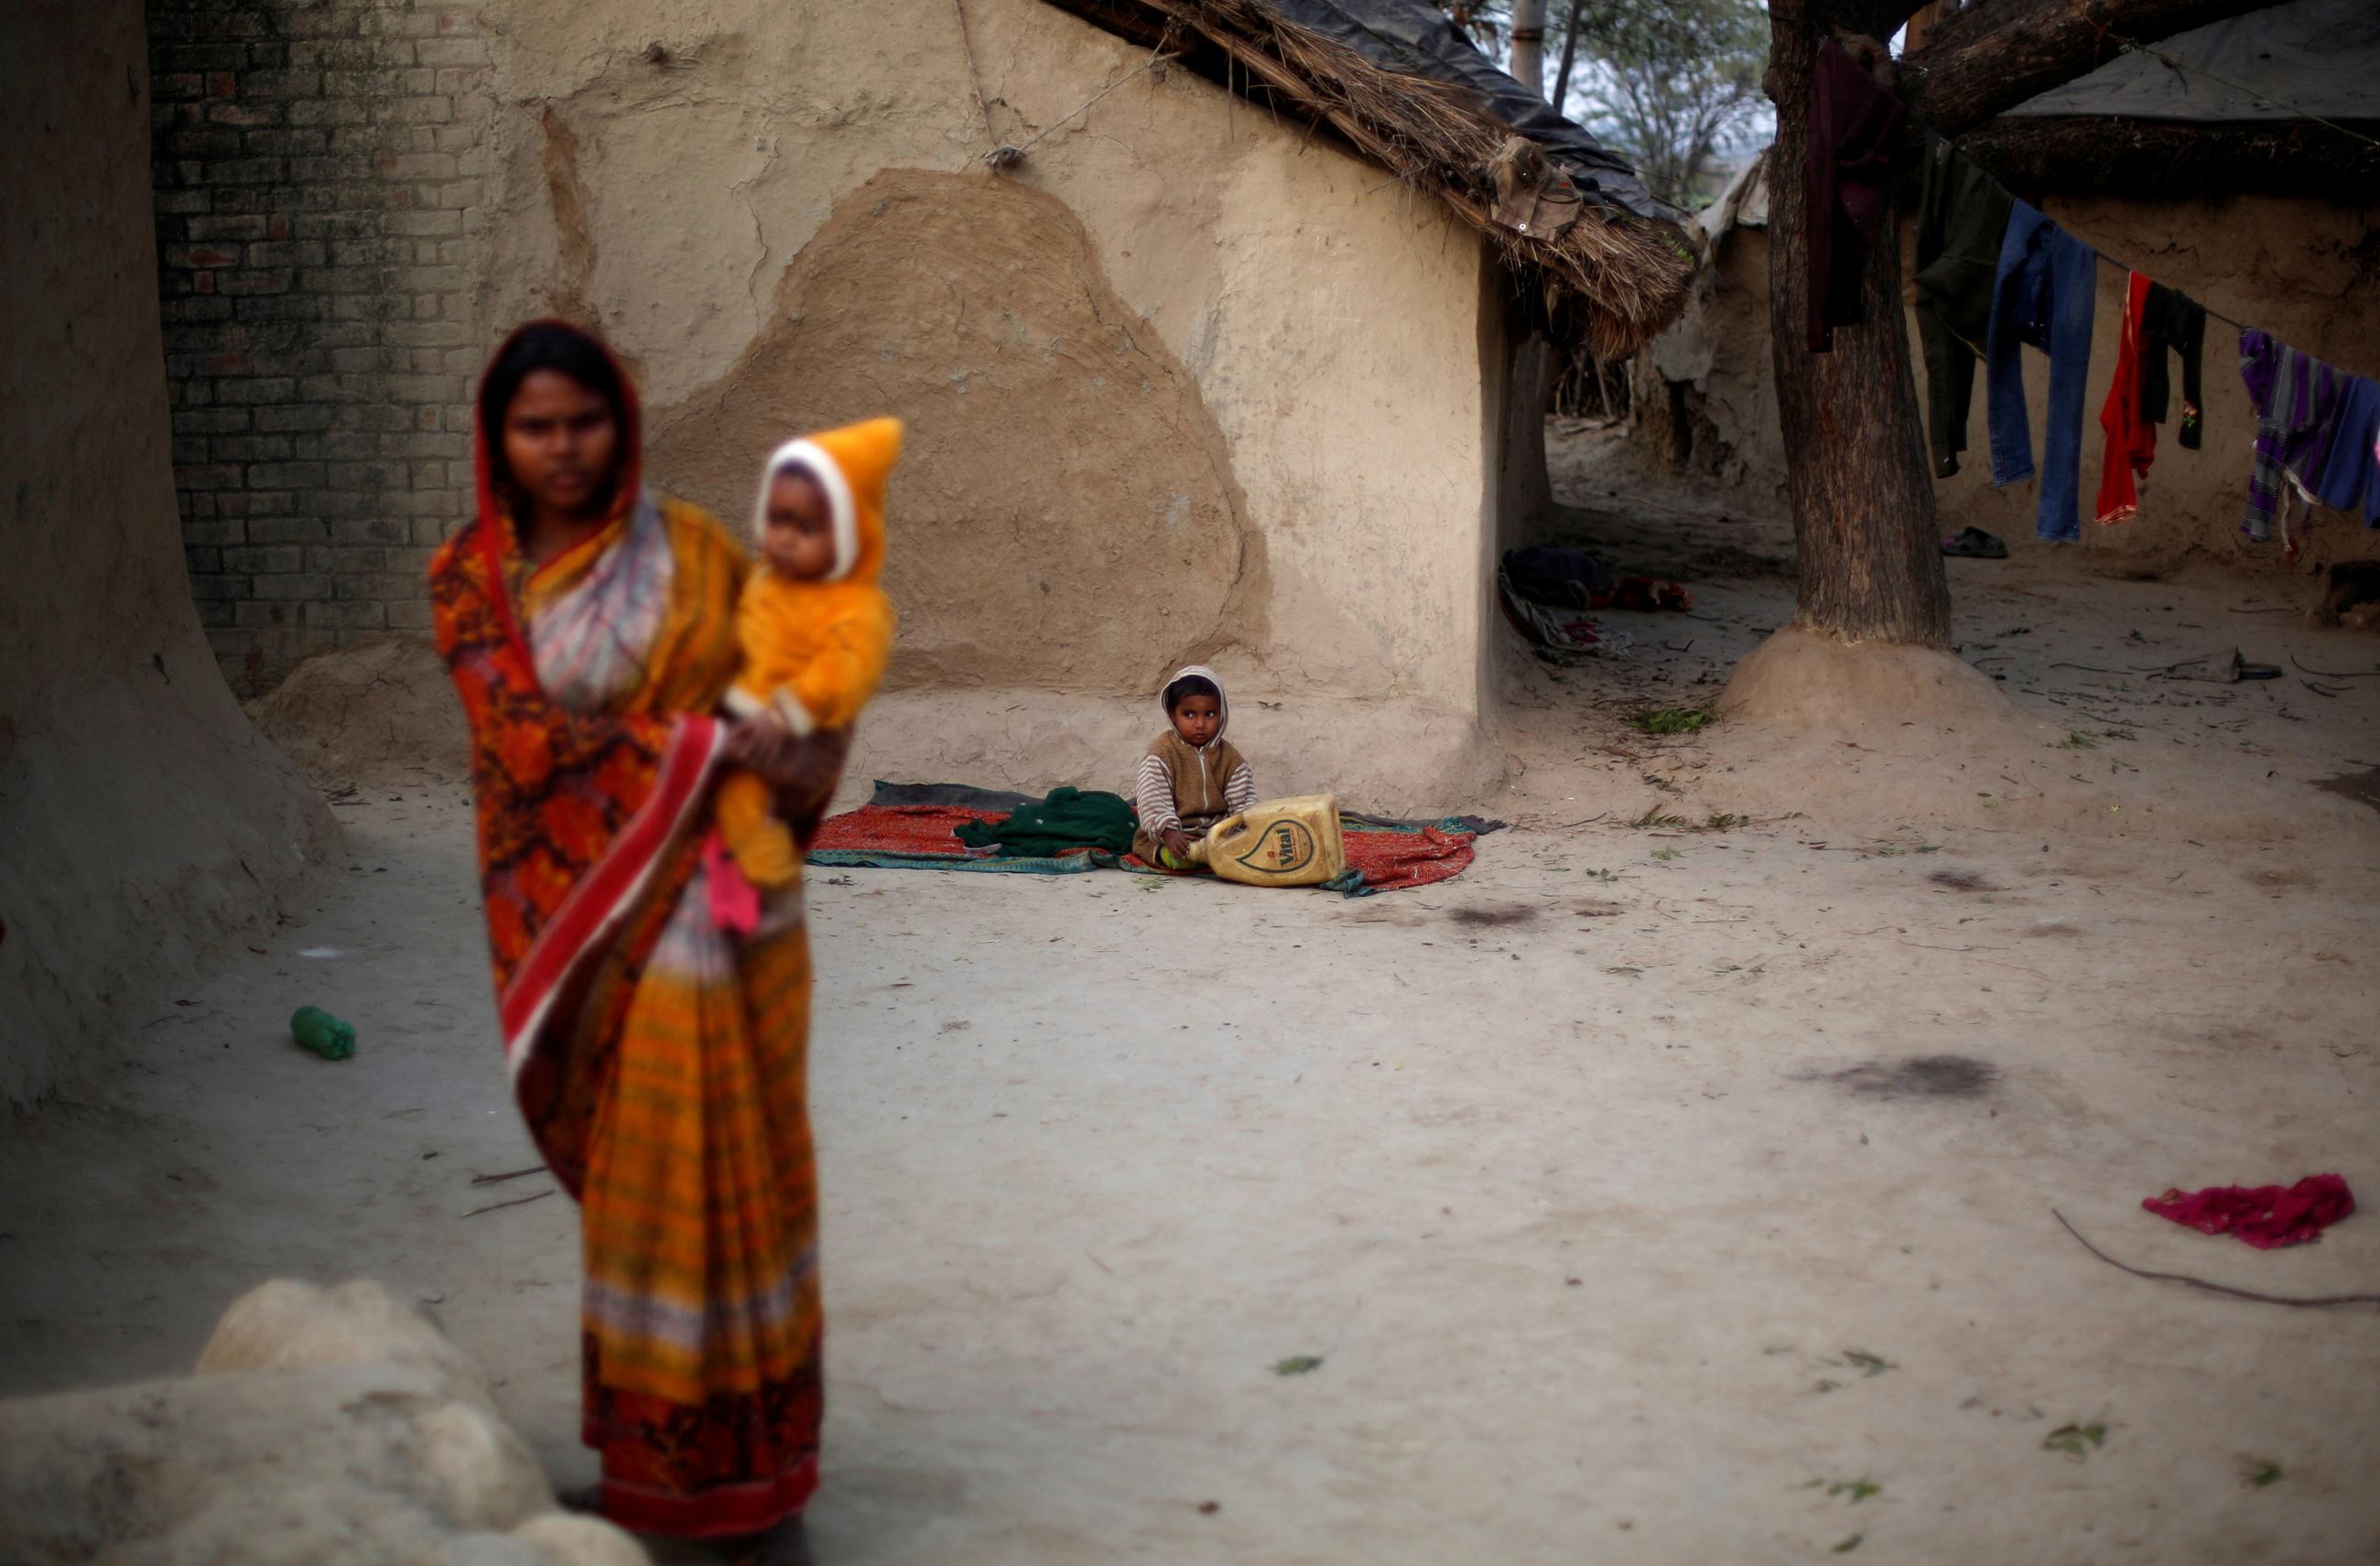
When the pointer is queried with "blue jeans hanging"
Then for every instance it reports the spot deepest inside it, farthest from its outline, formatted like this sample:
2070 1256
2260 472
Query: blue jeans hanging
2044 293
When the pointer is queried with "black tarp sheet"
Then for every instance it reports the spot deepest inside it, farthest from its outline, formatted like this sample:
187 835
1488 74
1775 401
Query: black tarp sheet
2285 63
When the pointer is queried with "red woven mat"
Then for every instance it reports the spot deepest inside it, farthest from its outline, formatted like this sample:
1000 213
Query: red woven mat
1388 861
905 829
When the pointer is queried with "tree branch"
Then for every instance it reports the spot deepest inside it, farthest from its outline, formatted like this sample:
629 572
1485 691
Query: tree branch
1990 57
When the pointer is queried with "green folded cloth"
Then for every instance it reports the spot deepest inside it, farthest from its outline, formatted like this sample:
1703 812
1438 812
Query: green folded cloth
1067 819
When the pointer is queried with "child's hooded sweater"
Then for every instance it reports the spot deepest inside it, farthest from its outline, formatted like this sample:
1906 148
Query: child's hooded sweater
815 650
1190 788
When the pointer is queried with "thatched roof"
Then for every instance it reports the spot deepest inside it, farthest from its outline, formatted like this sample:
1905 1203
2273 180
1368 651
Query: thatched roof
1612 271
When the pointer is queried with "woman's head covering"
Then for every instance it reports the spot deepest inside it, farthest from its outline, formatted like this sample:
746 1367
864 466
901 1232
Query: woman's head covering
850 466
584 357
1222 698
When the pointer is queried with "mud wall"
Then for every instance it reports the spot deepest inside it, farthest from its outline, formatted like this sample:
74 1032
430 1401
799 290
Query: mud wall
2302 270
1185 382
1066 482
143 824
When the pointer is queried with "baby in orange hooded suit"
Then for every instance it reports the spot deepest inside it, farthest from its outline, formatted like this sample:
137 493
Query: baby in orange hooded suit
816 628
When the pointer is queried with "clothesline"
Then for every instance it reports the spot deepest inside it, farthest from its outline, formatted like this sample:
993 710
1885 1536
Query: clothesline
2134 46
2105 258
2316 424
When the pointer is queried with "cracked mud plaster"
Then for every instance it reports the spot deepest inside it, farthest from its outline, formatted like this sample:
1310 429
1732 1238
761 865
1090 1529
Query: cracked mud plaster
1064 514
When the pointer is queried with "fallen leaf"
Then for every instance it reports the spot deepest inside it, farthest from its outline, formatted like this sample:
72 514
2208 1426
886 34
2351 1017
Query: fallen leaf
2076 1440
1297 1365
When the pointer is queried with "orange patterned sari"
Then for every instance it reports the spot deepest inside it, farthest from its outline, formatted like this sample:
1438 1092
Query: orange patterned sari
659 1061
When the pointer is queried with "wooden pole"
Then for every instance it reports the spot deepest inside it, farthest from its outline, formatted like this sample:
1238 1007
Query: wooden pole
1529 44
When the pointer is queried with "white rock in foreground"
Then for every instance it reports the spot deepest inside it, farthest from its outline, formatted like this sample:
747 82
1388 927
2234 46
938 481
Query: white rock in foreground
322 1425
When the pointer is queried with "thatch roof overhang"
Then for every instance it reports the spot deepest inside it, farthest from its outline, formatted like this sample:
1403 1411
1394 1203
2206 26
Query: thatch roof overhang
1390 81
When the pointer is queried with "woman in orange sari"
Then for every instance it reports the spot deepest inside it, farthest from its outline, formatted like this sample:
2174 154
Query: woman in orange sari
660 1061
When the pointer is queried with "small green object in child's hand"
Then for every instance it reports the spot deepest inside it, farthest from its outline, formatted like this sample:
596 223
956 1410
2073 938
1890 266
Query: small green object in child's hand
319 1031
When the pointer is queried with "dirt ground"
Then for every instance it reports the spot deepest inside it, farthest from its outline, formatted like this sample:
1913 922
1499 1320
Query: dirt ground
1660 1192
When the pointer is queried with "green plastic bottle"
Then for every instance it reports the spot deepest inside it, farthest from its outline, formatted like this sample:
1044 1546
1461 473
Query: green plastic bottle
325 1034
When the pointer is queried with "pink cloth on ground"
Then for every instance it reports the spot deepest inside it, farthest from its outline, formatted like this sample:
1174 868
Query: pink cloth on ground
2266 1217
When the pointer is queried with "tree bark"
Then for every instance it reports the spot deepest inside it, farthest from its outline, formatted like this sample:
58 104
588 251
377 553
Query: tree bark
1869 552
1568 57
1529 44
1856 477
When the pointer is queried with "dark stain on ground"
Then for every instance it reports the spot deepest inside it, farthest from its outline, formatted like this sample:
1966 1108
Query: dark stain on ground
1920 1076
2362 787
1960 880
1492 919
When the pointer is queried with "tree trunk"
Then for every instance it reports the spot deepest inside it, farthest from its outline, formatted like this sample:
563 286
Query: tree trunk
1529 44
1861 495
1569 56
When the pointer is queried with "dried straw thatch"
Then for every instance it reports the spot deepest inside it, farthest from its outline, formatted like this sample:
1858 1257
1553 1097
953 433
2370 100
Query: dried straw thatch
1612 277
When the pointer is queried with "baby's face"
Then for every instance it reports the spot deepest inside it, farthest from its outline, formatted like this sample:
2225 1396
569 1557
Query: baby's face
796 535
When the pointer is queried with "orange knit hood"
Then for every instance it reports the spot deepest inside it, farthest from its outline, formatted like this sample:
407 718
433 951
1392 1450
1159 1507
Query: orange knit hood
850 466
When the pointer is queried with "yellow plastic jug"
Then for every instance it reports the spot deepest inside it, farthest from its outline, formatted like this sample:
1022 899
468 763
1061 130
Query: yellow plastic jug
1283 843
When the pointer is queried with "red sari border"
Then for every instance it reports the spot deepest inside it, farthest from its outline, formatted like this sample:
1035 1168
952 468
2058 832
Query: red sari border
582 928
720 1512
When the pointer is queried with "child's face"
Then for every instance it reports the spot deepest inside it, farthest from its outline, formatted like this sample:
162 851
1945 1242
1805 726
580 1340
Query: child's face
796 535
1198 720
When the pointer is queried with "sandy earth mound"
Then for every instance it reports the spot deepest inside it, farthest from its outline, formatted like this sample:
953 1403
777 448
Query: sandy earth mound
381 708
1878 738
322 1425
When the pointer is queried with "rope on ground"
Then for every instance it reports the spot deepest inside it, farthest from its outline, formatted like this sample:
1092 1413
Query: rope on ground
2306 1300
2337 673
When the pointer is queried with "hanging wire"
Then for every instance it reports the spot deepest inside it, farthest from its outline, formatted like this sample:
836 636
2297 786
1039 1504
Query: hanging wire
1004 156
2130 46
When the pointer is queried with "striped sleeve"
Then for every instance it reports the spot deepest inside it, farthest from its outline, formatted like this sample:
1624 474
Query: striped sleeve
1240 789
1152 793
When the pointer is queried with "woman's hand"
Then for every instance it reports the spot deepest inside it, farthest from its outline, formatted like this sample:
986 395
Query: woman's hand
801 770
1177 841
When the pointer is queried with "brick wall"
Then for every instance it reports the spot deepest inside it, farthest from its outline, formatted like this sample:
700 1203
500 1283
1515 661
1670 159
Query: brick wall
318 168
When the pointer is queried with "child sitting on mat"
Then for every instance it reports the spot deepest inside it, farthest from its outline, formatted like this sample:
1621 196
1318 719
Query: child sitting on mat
816 629
1191 777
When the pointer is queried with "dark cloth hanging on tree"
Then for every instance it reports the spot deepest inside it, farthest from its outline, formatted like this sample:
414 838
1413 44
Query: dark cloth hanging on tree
1961 215
1854 126
2172 320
